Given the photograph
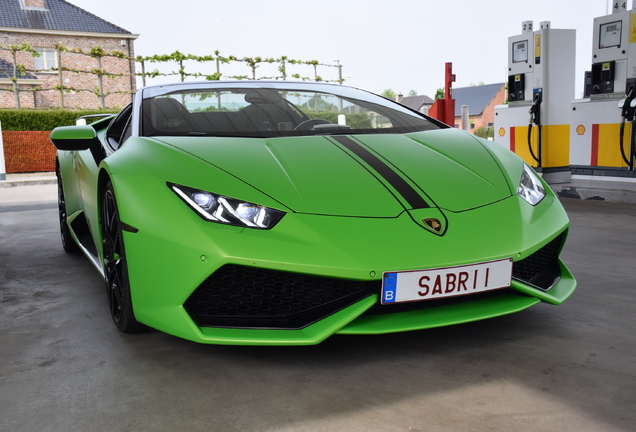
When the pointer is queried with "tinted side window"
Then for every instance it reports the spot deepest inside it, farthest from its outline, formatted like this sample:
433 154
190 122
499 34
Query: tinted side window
120 128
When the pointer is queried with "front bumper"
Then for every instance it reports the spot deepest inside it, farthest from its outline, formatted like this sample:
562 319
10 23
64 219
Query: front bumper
172 255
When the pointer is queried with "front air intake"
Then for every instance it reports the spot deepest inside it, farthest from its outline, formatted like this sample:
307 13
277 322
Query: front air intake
541 269
249 297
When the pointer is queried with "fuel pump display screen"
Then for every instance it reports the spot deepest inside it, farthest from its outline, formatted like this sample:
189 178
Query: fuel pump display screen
610 35
520 51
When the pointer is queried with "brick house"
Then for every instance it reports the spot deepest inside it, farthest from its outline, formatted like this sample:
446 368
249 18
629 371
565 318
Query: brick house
43 24
481 101
420 103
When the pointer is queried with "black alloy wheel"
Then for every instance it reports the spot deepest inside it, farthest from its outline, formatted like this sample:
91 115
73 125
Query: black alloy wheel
68 243
115 266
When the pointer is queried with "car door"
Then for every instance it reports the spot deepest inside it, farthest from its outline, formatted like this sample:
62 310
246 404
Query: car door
86 165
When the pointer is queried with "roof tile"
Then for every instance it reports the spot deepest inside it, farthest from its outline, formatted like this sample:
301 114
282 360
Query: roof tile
476 97
6 71
59 15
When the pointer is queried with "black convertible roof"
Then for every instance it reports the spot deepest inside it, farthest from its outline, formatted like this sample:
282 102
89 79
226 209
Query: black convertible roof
56 15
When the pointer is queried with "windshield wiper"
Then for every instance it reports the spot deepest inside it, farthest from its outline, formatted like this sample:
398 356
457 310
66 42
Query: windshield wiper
201 134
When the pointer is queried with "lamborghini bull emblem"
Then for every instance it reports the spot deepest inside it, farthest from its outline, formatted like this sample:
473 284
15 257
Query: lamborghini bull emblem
433 224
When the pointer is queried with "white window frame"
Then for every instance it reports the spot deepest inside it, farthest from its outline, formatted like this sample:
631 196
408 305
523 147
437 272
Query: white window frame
47 59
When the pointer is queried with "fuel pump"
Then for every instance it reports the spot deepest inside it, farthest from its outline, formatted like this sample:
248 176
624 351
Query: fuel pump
628 113
541 64
603 138
535 118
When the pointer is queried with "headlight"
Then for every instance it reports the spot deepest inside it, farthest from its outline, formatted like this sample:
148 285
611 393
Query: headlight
230 211
530 187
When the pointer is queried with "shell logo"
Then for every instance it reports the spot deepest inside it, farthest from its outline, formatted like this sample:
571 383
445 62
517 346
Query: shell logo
580 129
502 132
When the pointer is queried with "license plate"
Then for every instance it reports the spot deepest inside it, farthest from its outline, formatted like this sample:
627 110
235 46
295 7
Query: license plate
414 285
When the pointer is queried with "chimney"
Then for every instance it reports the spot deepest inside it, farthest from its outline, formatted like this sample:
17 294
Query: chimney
398 97
34 4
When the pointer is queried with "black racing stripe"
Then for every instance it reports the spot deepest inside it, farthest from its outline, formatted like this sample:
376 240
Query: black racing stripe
414 199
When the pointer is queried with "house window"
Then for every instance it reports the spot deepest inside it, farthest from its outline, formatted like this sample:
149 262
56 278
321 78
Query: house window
47 59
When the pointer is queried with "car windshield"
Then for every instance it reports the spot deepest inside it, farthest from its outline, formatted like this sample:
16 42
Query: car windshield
273 110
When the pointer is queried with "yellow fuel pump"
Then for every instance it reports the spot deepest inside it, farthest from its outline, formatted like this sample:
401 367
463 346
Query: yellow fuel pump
602 135
541 67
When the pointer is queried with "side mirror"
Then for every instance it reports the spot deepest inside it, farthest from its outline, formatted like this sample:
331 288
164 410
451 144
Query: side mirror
74 138
77 138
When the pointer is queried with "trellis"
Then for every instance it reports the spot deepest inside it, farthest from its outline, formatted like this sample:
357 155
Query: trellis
98 54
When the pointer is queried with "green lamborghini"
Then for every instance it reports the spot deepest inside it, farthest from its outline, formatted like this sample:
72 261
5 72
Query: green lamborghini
281 213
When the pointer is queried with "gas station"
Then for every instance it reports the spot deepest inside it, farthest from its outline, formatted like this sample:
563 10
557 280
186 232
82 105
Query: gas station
579 145
602 136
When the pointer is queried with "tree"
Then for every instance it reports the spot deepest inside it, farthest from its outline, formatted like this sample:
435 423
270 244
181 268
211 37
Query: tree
413 93
388 93
318 104
19 70
439 94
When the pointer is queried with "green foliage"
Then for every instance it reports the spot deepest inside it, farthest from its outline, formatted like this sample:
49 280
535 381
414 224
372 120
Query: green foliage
214 77
413 93
389 94
356 121
43 120
439 93
98 53
210 109
485 132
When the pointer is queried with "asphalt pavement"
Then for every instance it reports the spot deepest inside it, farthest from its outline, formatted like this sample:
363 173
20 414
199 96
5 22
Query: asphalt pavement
64 366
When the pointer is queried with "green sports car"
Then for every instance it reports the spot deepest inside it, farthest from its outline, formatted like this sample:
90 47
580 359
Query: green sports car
280 213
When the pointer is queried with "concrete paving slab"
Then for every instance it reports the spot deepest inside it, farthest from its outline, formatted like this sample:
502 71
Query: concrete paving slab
64 366
28 195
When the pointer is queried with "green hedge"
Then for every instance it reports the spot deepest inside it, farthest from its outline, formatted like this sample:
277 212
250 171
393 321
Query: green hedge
43 120
485 132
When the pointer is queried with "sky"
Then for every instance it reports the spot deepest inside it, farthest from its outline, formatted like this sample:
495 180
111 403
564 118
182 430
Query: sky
401 45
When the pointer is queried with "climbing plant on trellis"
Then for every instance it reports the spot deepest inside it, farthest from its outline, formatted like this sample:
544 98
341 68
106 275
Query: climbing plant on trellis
286 68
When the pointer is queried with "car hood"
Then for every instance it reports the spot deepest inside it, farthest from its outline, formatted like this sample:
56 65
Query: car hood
360 175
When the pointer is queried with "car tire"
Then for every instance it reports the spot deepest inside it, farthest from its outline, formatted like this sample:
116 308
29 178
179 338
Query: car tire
116 266
68 244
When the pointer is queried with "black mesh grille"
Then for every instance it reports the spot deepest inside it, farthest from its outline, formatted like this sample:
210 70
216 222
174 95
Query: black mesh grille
239 296
541 269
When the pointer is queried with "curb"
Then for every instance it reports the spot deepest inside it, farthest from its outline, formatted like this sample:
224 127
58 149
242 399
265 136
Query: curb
15 180
595 194
597 189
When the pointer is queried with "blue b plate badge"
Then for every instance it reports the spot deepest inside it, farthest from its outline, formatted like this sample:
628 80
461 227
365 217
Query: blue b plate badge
414 285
